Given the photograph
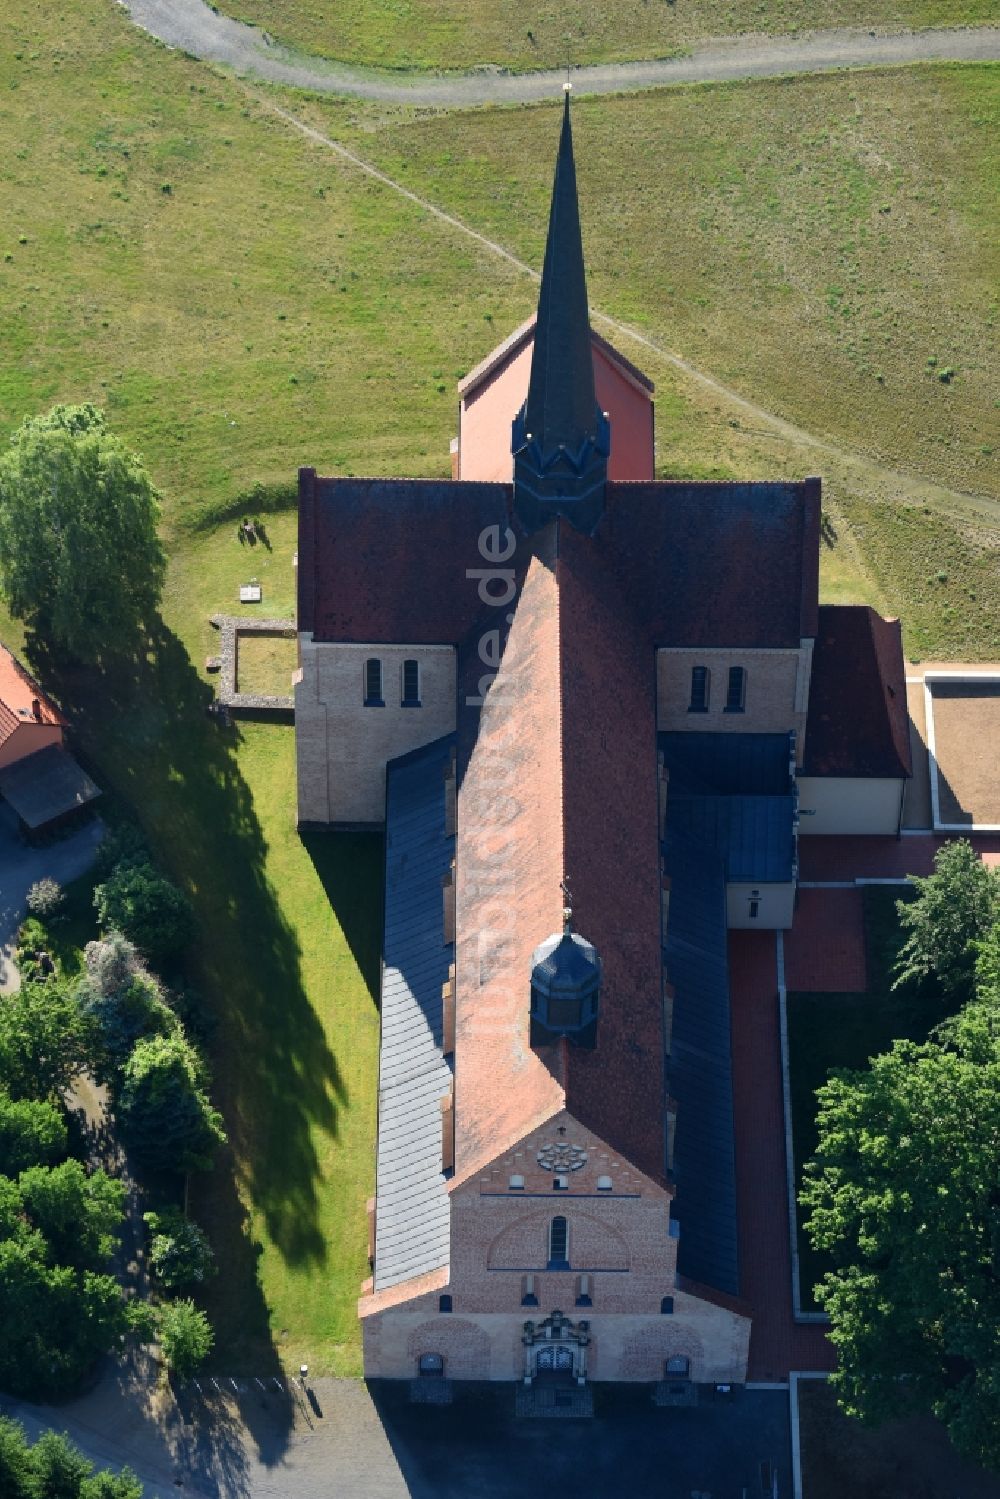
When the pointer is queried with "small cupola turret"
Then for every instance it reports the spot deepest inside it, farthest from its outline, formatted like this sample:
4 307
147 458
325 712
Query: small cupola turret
565 985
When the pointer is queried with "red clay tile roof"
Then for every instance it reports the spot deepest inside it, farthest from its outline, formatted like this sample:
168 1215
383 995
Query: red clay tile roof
525 334
552 786
384 559
18 693
718 564
701 564
858 723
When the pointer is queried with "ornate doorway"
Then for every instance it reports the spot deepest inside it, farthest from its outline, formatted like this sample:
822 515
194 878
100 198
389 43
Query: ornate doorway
555 1351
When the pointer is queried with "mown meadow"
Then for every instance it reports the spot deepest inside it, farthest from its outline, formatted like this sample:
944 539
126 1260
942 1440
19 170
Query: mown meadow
242 302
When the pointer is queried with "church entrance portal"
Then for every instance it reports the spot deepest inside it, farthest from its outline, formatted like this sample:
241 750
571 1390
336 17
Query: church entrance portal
555 1351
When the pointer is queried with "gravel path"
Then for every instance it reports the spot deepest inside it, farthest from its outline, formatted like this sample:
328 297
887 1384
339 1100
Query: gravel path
194 27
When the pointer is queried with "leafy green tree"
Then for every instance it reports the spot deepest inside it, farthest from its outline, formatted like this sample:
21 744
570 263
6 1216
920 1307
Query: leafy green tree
80 559
179 1251
164 1112
186 1336
904 1195
60 1468
954 910
80 1215
54 1469
45 1042
123 1002
147 907
32 1133
55 1321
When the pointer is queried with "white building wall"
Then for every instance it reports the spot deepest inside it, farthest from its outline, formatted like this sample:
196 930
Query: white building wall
342 745
775 906
849 804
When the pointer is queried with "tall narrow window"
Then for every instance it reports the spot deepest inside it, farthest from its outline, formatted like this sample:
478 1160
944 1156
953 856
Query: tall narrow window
373 683
559 1244
699 690
737 690
754 904
411 684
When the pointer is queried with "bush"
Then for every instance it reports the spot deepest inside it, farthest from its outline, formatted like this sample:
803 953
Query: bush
148 908
46 899
31 952
186 1336
179 1251
123 1001
165 1115
32 1133
124 844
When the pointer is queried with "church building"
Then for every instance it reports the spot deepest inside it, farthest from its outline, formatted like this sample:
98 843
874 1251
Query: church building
590 710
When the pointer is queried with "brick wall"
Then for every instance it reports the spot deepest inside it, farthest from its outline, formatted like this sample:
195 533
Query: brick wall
619 1238
341 745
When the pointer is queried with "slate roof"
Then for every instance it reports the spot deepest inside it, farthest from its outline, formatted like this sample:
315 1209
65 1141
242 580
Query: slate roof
734 793
858 723
727 764
699 1067
411 1234
752 834
46 785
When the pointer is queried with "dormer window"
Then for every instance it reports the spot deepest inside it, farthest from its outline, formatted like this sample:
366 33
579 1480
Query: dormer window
411 684
373 683
699 689
736 690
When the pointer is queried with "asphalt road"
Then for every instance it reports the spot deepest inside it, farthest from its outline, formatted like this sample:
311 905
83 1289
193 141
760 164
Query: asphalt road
194 27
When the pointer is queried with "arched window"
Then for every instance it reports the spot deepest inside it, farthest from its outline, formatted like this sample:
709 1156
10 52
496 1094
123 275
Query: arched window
736 690
559 1244
699 690
411 684
373 683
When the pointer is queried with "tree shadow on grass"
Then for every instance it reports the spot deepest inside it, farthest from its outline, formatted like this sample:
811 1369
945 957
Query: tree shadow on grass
350 866
142 722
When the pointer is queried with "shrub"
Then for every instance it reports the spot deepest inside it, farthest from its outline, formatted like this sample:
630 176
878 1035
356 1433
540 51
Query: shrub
148 908
179 1251
123 844
186 1336
46 899
164 1112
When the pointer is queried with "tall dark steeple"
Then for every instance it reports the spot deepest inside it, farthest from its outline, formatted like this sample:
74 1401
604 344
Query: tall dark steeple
561 438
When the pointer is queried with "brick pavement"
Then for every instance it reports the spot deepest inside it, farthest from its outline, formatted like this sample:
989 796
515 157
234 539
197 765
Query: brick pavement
777 1343
825 950
880 857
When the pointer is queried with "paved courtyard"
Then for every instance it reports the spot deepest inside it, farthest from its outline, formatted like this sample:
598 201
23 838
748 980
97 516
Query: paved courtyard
346 1442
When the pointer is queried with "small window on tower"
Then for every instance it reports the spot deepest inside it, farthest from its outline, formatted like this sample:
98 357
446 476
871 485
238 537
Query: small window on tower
754 904
699 690
737 690
373 683
411 684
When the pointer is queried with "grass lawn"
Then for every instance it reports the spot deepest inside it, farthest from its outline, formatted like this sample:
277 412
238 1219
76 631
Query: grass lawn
828 1031
444 34
264 664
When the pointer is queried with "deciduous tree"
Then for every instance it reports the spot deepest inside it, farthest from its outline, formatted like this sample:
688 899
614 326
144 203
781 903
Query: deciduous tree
904 1195
186 1336
80 559
955 908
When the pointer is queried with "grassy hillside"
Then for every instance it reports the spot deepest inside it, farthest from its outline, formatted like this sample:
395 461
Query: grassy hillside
445 34
242 302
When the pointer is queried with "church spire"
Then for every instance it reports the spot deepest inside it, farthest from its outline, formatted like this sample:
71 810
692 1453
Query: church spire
560 436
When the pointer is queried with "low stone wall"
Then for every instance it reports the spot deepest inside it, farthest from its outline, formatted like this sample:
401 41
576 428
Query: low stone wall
230 627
